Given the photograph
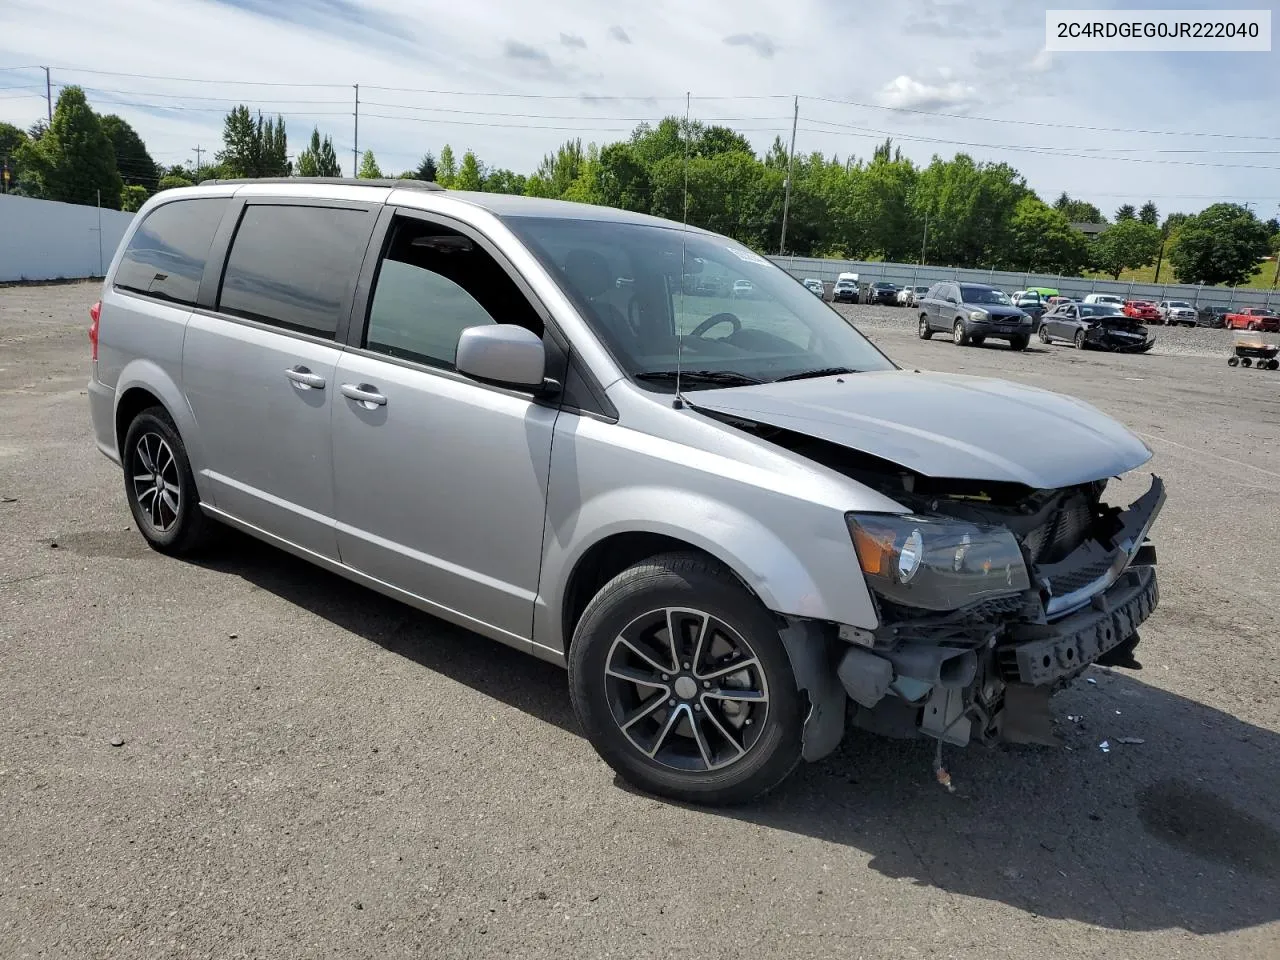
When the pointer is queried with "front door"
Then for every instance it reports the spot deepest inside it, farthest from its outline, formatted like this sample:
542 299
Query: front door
441 482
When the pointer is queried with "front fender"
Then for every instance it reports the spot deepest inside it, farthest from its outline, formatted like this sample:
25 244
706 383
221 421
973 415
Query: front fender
824 585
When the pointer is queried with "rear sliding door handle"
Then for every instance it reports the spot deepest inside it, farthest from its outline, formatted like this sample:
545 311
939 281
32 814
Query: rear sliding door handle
304 378
365 394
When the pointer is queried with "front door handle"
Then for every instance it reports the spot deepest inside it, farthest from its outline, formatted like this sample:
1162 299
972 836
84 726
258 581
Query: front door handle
304 378
364 393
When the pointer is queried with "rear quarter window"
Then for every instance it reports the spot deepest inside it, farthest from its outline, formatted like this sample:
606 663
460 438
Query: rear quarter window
166 255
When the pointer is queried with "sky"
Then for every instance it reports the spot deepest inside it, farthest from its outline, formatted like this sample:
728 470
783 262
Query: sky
511 79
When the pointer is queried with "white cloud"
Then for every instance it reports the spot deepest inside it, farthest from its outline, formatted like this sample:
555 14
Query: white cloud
907 92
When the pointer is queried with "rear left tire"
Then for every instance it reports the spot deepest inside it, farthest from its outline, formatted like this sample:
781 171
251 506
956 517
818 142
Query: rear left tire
160 486
682 684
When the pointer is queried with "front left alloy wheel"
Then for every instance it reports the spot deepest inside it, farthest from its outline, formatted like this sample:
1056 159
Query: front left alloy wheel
682 683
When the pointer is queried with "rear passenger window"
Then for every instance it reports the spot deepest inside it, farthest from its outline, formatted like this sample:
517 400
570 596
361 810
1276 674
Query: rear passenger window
167 253
295 267
432 284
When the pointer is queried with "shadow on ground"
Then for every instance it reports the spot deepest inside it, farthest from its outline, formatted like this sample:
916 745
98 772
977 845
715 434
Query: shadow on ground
1179 831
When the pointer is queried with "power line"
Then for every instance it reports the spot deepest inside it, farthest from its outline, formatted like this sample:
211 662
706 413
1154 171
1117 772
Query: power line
1042 123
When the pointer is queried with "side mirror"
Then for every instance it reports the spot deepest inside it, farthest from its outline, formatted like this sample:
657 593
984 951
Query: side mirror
505 355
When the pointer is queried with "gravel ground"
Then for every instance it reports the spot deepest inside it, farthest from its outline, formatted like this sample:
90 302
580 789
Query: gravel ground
306 769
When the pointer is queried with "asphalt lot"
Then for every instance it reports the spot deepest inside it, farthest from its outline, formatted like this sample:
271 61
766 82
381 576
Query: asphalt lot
311 770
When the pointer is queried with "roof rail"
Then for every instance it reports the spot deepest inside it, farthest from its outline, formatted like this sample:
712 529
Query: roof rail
346 181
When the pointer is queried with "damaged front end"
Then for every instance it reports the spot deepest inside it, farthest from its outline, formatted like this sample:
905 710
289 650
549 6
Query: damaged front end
988 668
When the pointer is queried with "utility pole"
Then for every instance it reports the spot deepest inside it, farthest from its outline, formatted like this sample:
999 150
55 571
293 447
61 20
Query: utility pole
924 243
198 151
791 160
355 138
48 94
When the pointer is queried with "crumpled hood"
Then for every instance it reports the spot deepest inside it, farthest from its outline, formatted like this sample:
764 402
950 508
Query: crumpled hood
944 425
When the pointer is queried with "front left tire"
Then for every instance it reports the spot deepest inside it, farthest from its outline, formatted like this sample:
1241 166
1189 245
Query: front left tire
160 486
682 683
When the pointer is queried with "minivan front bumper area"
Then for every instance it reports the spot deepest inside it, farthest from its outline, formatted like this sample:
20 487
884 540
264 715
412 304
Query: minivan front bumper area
988 672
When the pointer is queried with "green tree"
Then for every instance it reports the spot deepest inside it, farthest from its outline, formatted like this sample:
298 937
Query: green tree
623 180
1149 214
171 180
73 161
1043 240
253 148
447 167
557 171
133 197
132 159
426 168
1125 245
1078 211
970 207
1220 245
504 181
470 173
1126 212
11 140
319 158
369 169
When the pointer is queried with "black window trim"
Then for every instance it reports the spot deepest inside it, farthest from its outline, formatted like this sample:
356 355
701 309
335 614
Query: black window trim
215 269
560 353
211 258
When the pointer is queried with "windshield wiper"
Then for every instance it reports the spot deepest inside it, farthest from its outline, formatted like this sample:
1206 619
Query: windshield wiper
729 378
812 374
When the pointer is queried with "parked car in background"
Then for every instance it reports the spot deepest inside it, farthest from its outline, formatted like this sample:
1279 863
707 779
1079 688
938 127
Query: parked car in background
742 288
815 286
1143 310
882 291
917 294
1214 316
1177 313
1031 303
1099 326
1253 318
972 313
723 577
1104 298
845 290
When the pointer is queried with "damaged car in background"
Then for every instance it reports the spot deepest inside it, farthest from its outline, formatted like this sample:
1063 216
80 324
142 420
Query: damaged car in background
1095 326
737 523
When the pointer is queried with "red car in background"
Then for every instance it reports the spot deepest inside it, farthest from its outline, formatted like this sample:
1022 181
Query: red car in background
1252 318
1143 310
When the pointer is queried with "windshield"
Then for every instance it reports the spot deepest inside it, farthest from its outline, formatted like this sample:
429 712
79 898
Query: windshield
1100 310
984 295
1181 304
776 330
846 284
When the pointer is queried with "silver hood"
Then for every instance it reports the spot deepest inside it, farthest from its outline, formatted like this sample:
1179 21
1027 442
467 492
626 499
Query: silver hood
944 425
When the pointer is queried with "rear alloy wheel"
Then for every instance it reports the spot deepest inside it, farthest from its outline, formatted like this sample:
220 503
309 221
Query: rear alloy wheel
925 332
959 335
160 487
682 683
1079 340
1044 336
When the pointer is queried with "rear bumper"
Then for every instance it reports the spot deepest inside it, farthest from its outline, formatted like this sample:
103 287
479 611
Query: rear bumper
102 413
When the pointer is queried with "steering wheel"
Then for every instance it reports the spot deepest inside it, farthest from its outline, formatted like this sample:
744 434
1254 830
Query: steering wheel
715 319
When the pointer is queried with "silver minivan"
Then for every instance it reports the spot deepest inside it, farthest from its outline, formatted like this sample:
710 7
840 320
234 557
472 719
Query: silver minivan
738 524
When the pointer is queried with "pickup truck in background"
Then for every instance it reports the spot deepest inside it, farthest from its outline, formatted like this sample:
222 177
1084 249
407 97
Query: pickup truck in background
1253 318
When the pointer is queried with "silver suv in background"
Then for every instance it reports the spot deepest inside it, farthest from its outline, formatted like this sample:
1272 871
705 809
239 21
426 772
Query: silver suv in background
738 524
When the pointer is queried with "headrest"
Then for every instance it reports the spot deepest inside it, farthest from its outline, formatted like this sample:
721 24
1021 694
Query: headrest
588 271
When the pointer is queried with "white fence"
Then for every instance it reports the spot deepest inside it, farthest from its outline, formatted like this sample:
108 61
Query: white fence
910 274
45 240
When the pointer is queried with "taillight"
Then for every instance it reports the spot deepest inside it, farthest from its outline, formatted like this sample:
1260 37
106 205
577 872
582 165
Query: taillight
94 313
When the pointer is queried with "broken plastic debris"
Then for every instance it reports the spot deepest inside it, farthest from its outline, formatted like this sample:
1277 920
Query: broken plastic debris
1074 718
1105 746
1134 740
1091 680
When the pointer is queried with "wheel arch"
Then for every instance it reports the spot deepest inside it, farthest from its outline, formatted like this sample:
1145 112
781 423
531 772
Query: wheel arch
144 383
